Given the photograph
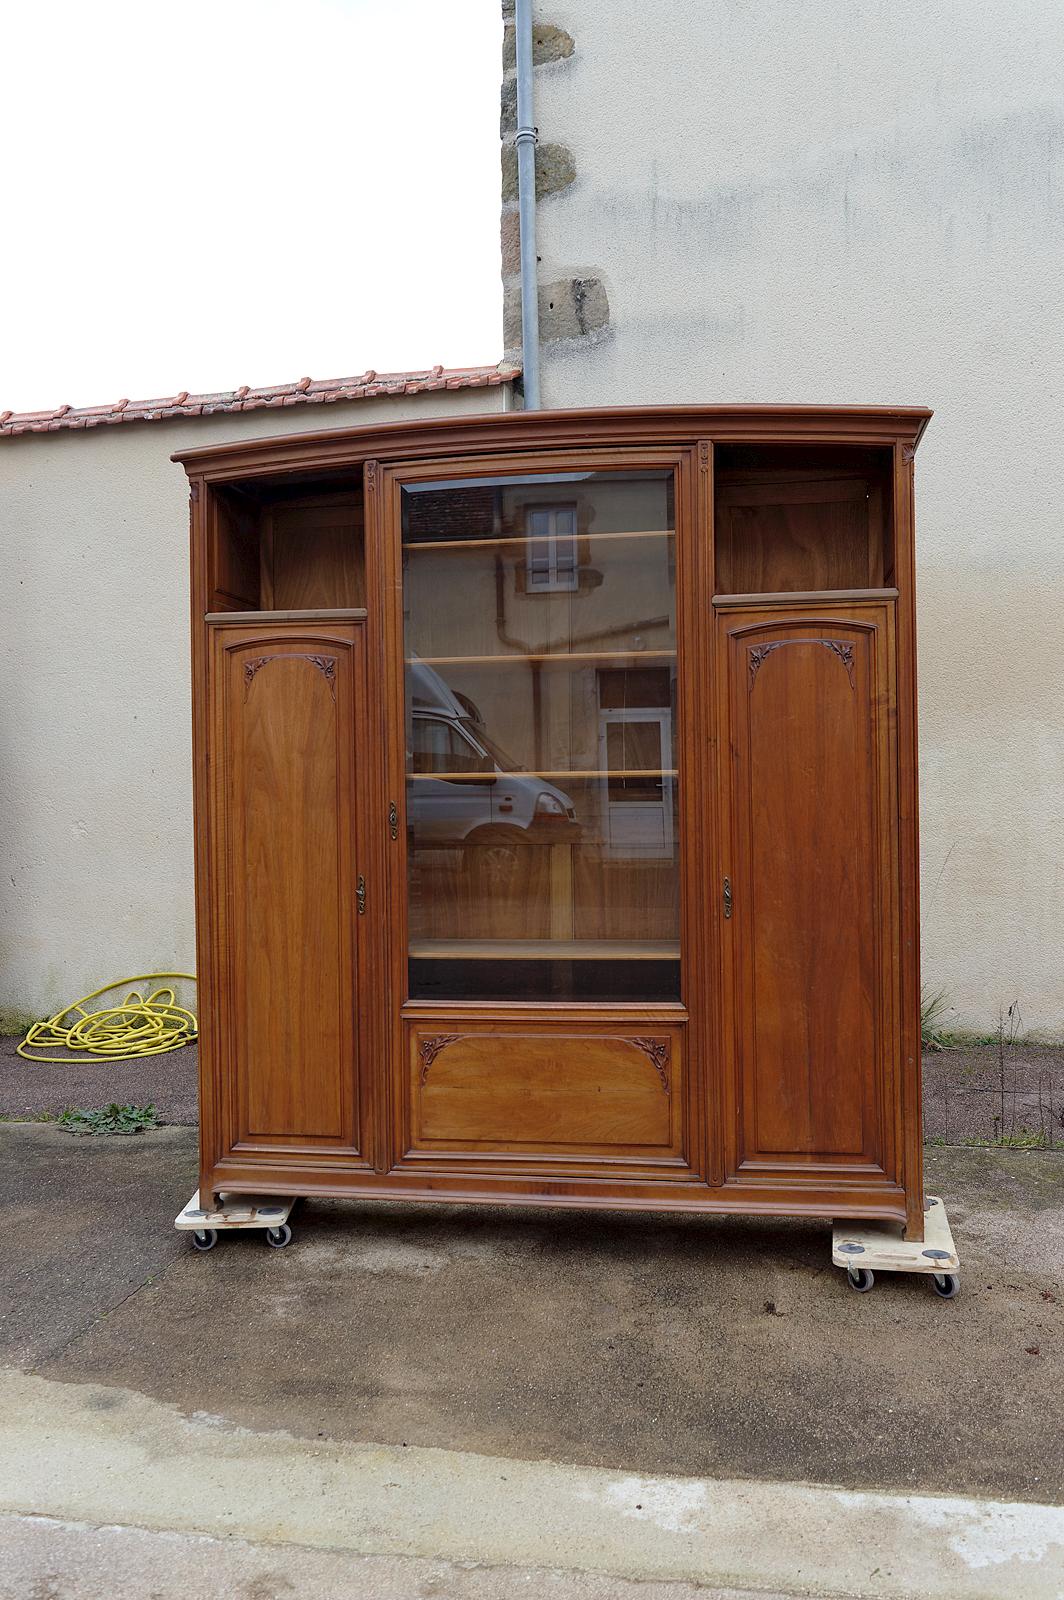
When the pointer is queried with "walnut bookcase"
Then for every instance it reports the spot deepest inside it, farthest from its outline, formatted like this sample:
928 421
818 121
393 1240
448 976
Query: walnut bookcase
556 836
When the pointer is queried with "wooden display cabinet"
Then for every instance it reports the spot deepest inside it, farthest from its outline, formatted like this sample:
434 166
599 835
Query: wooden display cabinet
556 833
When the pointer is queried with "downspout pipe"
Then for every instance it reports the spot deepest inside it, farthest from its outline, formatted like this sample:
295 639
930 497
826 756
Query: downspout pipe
526 138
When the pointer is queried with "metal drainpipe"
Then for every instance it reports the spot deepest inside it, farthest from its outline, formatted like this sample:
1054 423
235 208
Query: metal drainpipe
526 139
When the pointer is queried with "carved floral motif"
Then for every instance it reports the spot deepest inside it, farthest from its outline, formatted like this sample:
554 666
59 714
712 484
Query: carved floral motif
844 653
326 665
758 653
429 1048
657 1051
251 667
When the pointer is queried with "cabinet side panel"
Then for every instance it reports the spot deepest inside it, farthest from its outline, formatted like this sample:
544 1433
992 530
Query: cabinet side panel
286 802
203 532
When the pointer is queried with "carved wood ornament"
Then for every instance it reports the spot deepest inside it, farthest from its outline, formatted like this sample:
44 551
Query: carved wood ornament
844 653
657 1052
326 665
429 1048
757 654
256 664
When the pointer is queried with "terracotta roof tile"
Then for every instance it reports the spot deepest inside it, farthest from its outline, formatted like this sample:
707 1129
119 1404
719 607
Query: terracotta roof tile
308 391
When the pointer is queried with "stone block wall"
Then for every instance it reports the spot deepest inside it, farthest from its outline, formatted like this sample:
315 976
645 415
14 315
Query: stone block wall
572 307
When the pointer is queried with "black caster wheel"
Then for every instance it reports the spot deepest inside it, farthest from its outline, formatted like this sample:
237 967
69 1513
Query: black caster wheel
946 1285
860 1278
277 1238
205 1238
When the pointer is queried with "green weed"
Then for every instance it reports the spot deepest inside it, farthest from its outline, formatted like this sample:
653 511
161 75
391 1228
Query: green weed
934 1004
110 1119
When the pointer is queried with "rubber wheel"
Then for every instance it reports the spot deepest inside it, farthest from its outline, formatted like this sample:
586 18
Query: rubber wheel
277 1238
946 1285
205 1238
860 1278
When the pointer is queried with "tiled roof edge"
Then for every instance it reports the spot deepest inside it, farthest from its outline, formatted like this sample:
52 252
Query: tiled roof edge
308 391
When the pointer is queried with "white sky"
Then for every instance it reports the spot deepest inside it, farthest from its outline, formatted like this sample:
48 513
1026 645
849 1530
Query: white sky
203 193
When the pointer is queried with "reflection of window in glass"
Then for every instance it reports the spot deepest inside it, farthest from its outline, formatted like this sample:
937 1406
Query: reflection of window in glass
638 800
551 534
635 753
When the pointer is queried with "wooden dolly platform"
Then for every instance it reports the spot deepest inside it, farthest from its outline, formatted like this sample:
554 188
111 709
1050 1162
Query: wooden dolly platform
269 1212
865 1248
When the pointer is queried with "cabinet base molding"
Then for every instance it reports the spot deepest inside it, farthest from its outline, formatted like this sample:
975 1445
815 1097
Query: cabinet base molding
882 1202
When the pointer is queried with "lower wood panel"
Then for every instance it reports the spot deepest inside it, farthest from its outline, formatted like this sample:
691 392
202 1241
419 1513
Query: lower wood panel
593 1093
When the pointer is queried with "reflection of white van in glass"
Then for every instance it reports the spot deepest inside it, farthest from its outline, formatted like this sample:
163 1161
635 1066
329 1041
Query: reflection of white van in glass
464 789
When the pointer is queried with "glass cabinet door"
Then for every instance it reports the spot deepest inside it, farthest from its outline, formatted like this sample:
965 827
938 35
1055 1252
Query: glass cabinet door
540 647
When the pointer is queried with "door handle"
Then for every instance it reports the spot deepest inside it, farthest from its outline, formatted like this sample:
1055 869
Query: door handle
727 899
360 895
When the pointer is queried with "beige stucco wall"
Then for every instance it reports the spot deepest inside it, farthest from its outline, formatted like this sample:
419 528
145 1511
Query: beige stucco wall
95 739
847 201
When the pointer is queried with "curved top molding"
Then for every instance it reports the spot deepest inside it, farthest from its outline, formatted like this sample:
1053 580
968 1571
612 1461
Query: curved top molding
604 428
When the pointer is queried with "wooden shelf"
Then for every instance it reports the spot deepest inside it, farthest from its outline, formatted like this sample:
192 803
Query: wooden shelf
237 619
523 538
554 657
568 773
802 597
545 950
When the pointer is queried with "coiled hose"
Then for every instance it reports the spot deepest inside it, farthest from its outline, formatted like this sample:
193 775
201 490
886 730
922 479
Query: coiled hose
137 1027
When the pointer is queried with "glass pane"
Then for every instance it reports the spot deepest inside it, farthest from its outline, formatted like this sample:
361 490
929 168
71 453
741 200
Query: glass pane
540 643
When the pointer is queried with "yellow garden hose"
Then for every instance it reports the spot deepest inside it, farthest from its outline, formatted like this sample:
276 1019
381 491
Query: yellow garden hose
137 1027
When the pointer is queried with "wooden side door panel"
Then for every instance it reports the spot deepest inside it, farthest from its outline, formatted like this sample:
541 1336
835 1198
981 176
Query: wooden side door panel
810 987
287 786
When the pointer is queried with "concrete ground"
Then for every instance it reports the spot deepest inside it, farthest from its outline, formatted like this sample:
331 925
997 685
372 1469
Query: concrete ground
547 1396
43 1559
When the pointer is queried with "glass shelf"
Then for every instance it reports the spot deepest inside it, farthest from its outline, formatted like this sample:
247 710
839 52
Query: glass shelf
552 773
545 949
611 658
521 540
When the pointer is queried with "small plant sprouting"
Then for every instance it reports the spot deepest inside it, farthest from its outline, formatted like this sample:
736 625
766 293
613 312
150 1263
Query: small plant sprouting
110 1119
934 1004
